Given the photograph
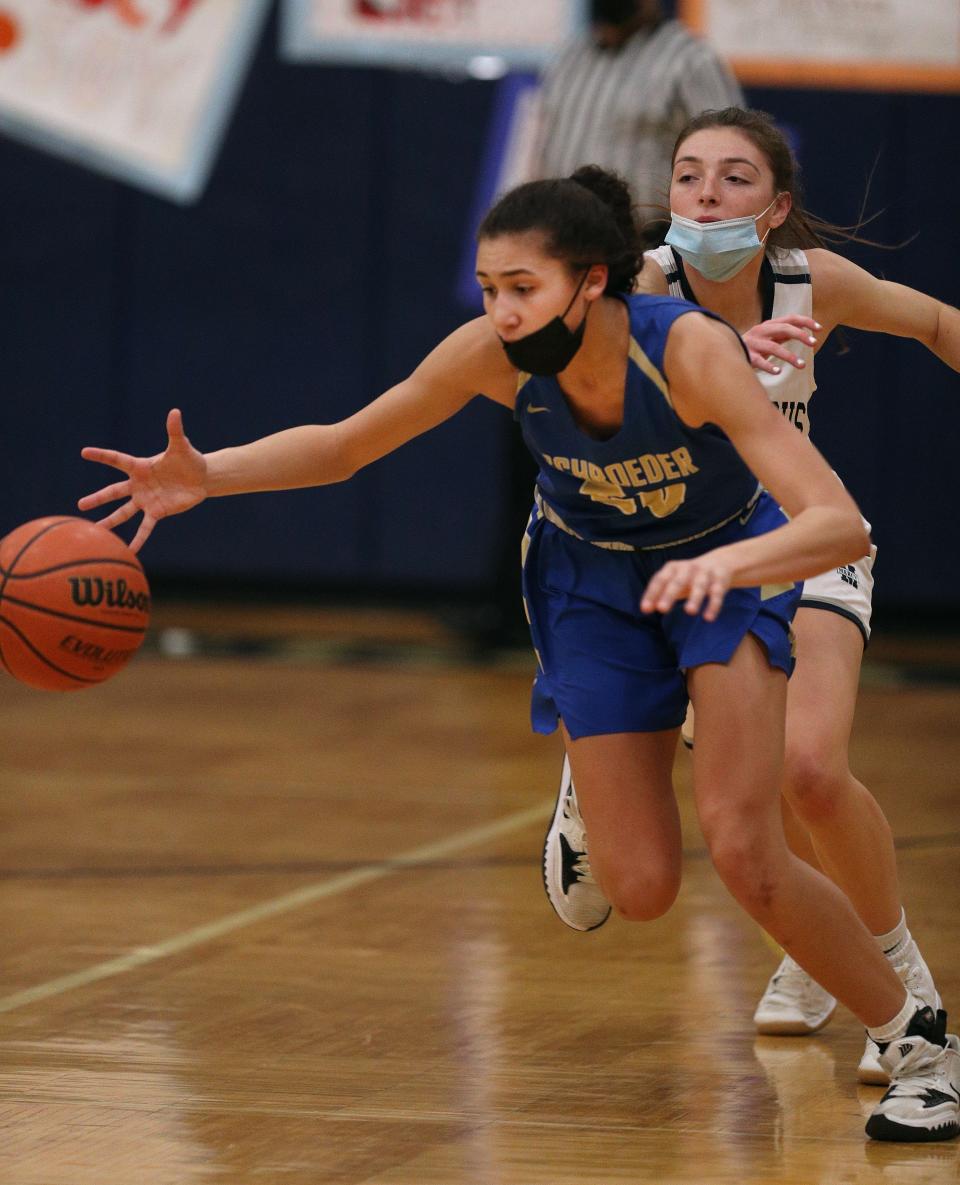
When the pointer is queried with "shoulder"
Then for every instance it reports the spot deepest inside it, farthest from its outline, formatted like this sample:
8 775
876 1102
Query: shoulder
472 358
836 282
675 38
652 279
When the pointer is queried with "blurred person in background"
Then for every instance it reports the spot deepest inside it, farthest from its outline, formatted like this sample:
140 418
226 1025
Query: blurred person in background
619 95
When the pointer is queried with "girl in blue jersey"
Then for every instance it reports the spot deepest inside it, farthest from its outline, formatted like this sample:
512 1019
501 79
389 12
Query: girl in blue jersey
653 568
734 187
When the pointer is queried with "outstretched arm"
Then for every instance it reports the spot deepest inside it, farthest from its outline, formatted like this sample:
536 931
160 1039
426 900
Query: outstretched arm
711 381
845 294
180 477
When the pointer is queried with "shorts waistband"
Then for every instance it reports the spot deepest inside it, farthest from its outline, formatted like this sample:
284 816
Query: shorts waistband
547 512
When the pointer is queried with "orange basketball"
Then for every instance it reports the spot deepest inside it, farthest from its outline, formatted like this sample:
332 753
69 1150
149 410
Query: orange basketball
74 603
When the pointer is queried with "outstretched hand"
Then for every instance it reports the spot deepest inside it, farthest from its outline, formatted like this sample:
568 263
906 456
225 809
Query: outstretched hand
765 342
701 583
168 483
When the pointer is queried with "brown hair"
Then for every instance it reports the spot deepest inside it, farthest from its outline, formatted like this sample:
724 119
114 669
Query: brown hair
801 228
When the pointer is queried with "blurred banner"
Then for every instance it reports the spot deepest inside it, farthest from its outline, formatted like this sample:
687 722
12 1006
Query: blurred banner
479 37
866 44
139 89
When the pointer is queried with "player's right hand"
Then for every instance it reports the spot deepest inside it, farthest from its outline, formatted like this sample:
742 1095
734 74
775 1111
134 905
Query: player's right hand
765 342
168 483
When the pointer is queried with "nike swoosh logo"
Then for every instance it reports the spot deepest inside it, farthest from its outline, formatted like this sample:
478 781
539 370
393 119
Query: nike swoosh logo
533 410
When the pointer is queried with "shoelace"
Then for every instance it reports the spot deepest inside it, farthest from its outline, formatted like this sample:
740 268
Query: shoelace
923 1066
913 979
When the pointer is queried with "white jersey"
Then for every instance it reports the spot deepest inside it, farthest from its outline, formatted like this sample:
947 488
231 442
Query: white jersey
785 288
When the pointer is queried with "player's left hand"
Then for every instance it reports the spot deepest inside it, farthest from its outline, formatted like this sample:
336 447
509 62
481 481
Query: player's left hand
701 583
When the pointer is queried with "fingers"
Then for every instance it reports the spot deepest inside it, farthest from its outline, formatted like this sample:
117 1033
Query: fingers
108 456
762 362
775 350
797 320
702 588
175 423
716 593
664 589
143 533
119 516
120 489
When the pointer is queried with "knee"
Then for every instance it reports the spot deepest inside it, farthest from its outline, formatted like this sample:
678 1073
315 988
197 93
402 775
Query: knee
748 868
641 894
813 785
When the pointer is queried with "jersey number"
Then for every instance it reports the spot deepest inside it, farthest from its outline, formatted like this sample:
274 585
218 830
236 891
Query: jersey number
659 502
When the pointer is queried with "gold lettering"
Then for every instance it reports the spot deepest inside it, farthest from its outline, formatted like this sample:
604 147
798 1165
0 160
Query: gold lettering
685 462
664 501
669 469
609 493
578 468
562 463
636 477
617 474
651 468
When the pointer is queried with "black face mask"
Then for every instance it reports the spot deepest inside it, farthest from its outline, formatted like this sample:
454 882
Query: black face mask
550 349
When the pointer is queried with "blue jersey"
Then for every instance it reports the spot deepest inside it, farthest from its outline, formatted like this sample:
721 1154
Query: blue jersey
655 482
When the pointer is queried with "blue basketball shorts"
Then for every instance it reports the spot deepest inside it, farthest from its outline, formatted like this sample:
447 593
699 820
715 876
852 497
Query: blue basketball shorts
605 667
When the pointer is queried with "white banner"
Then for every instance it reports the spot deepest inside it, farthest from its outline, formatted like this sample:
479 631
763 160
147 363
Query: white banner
456 35
889 44
140 89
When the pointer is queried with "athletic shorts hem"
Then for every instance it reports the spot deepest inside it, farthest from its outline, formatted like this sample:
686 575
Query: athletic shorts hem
841 611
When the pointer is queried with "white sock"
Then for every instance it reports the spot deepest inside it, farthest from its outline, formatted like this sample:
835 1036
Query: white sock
884 1034
896 939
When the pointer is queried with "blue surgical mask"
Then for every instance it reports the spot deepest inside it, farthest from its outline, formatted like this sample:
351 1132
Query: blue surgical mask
718 250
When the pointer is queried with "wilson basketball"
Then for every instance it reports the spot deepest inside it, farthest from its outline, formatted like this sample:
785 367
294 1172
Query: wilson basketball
74 603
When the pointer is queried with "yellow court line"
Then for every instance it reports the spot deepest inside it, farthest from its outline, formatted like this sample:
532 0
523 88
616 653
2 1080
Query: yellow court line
143 955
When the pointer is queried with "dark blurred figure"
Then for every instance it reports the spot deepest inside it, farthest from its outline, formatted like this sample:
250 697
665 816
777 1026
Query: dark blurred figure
619 95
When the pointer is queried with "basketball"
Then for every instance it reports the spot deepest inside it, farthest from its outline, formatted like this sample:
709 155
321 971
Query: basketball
74 603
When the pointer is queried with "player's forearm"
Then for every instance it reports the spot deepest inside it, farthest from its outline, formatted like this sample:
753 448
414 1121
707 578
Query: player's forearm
309 455
816 540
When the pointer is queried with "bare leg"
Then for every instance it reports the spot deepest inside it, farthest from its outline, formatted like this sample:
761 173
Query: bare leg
849 831
625 792
737 772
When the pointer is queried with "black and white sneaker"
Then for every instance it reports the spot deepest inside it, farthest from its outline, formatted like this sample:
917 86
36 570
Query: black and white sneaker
573 893
923 1102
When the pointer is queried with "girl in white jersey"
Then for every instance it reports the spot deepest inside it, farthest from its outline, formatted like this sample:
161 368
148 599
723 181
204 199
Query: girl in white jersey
741 245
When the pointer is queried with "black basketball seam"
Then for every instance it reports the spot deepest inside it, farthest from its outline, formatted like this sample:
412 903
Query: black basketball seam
43 658
127 629
6 575
102 559
29 543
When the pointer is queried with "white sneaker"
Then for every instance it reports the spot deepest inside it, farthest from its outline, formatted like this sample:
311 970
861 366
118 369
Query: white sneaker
915 975
923 1102
573 893
793 1005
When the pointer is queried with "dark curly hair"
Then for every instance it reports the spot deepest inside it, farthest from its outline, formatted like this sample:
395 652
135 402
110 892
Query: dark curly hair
586 218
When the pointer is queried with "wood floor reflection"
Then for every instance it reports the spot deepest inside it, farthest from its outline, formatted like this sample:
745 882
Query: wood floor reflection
278 918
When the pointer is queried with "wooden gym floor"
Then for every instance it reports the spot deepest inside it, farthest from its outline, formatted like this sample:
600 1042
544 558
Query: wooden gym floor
271 913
